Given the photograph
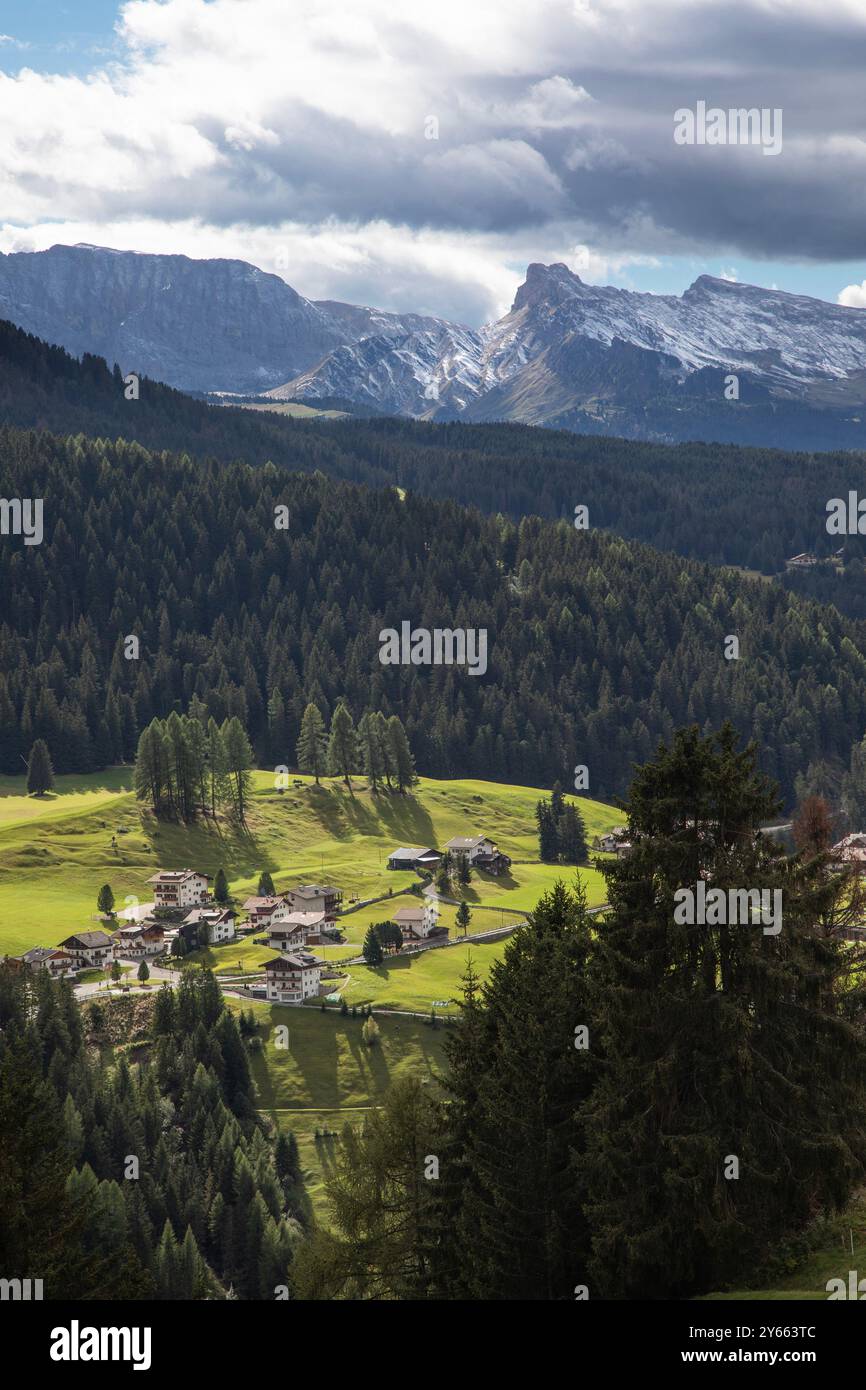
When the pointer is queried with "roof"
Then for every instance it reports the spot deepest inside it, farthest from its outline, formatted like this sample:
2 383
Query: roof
311 890
409 914
299 960
37 954
87 939
176 875
299 919
852 847
466 841
209 914
259 904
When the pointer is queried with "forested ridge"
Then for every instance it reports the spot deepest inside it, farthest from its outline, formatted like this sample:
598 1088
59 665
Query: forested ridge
597 647
752 507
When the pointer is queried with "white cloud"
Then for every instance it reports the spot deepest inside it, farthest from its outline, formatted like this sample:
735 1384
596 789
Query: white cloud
853 295
223 116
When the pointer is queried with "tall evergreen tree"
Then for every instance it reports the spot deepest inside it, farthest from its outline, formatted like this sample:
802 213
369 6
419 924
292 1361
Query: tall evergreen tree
733 1081
40 773
312 749
403 764
343 745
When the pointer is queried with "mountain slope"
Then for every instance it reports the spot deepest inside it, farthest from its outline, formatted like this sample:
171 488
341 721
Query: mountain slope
215 325
588 358
601 359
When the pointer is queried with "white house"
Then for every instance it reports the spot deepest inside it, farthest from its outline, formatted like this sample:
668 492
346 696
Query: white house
315 897
850 852
180 888
89 948
290 929
219 923
50 958
138 940
417 922
261 910
481 852
292 978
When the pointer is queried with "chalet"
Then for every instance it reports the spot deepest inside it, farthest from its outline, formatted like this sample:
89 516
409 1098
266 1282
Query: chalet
180 888
481 853
315 897
609 843
417 923
261 910
139 939
803 561
850 852
50 958
211 925
806 561
292 978
411 857
290 929
89 948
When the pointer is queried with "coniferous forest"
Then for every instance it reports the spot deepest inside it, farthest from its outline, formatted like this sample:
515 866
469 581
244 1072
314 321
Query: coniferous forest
597 647
153 1177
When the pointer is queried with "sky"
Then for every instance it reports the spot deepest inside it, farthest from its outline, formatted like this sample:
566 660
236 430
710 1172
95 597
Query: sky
418 156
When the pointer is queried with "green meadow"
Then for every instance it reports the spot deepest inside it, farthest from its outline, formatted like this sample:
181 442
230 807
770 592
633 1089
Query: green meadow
56 851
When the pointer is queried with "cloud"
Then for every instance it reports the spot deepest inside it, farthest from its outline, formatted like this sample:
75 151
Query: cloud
554 127
853 295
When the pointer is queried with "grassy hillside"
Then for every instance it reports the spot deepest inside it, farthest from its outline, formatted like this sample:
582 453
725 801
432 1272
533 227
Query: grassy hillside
328 1076
829 1256
55 853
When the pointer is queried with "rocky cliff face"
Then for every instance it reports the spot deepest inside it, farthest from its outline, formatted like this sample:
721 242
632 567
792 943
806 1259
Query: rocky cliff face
214 325
569 354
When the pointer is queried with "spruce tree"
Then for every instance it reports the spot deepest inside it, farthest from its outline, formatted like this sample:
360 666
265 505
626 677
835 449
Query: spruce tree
312 748
105 900
514 1223
221 887
342 745
40 773
403 763
731 1104
266 885
372 948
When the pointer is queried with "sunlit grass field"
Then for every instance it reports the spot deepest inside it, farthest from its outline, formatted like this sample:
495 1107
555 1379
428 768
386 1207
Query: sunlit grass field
56 852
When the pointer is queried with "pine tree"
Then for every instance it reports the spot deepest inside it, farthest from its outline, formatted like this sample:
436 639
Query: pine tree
403 763
548 840
514 1225
144 972
40 773
728 1048
372 948
371 749
105 900
221 887
266 885
342 745
464 917
312 749
571 835
238 762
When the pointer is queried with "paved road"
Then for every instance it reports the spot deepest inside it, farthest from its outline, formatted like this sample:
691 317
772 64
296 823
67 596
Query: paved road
157 972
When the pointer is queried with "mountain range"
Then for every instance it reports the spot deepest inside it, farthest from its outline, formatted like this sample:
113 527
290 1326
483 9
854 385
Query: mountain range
596 359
